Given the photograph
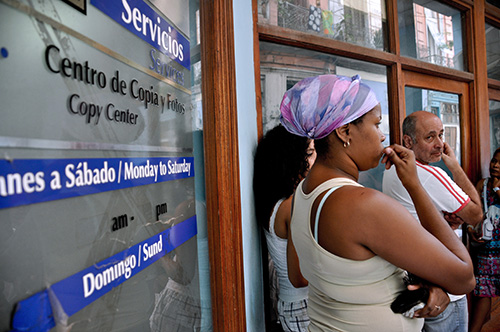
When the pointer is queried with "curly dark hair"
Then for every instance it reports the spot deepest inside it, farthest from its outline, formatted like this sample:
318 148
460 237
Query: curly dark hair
280 163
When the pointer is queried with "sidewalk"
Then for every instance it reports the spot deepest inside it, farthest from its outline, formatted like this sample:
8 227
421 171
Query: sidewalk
493 325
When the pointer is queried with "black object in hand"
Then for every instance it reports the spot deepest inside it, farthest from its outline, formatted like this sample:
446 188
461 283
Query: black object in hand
409 298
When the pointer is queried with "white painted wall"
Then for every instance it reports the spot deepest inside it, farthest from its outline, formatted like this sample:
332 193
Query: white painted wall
247 138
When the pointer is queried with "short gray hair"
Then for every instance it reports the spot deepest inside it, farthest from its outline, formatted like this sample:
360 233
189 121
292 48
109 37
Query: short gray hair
409 126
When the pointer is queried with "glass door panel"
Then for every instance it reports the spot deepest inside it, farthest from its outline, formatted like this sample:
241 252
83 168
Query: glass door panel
494 125
493 51
444 105
448 99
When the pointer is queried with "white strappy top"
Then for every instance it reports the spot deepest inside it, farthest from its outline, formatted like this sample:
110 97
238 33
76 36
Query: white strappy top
277 249
344 294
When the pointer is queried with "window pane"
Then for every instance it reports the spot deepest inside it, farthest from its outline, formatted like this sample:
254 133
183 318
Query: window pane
360 22
140 234
493 51
431 33
205 319
494 3
282 66
494 125
445 106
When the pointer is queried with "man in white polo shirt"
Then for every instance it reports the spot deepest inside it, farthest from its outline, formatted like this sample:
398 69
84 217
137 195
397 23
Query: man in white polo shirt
457 199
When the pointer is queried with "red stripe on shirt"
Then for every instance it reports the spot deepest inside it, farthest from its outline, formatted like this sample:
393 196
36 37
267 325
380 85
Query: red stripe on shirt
461 207
463 201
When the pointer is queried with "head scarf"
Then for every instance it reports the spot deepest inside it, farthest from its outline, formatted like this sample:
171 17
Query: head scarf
316 106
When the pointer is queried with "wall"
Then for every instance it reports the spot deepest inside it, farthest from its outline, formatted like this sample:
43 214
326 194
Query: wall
247 137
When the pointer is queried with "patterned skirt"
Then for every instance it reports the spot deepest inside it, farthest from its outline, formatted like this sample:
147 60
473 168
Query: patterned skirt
487 268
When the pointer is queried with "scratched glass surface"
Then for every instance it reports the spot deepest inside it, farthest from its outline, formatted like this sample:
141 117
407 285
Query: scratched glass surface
47 113
89 89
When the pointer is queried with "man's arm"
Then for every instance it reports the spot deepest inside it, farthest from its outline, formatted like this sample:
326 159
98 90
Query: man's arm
472 213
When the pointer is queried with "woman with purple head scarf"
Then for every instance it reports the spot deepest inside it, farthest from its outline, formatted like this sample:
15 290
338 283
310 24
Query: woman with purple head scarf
355 243
316 106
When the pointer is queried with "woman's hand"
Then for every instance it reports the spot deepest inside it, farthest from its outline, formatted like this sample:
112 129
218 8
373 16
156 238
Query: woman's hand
404 161
438 301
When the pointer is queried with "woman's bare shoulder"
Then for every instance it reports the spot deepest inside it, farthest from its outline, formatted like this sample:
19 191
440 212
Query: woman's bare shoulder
367 202
285 208
479 185
366 195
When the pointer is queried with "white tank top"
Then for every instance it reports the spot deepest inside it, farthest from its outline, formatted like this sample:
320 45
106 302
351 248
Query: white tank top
345 294
277 250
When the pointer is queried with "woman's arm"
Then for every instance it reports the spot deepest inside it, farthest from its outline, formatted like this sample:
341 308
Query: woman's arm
436 255
294 273
282 219
285 215
433 252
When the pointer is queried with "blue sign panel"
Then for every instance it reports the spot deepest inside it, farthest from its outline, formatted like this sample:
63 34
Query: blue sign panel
27 181
72 294
140 19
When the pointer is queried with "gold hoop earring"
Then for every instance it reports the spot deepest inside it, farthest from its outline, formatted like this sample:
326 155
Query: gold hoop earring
346 144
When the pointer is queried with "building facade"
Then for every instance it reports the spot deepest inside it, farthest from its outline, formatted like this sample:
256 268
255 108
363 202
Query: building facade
128 131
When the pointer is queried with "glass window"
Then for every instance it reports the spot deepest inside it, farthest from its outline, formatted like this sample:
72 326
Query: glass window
360 22
493 51
494 125
445 106
118 244
283 66
432 32
494 3
205 320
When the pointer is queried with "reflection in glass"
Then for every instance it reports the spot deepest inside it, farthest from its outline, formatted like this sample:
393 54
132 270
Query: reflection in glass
282 66
445 106
493 51
494 3
360 22
177 307
202 322
432 32
494 125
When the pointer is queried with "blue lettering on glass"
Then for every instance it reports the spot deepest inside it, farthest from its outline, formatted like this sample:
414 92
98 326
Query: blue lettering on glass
81 289
28 181
140 19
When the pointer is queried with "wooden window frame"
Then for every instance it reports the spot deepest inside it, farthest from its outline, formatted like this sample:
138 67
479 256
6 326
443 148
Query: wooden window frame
221 134
222 184
475 13
494 94
473 83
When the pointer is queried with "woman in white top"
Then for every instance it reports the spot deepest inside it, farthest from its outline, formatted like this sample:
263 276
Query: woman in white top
354 248
281 161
